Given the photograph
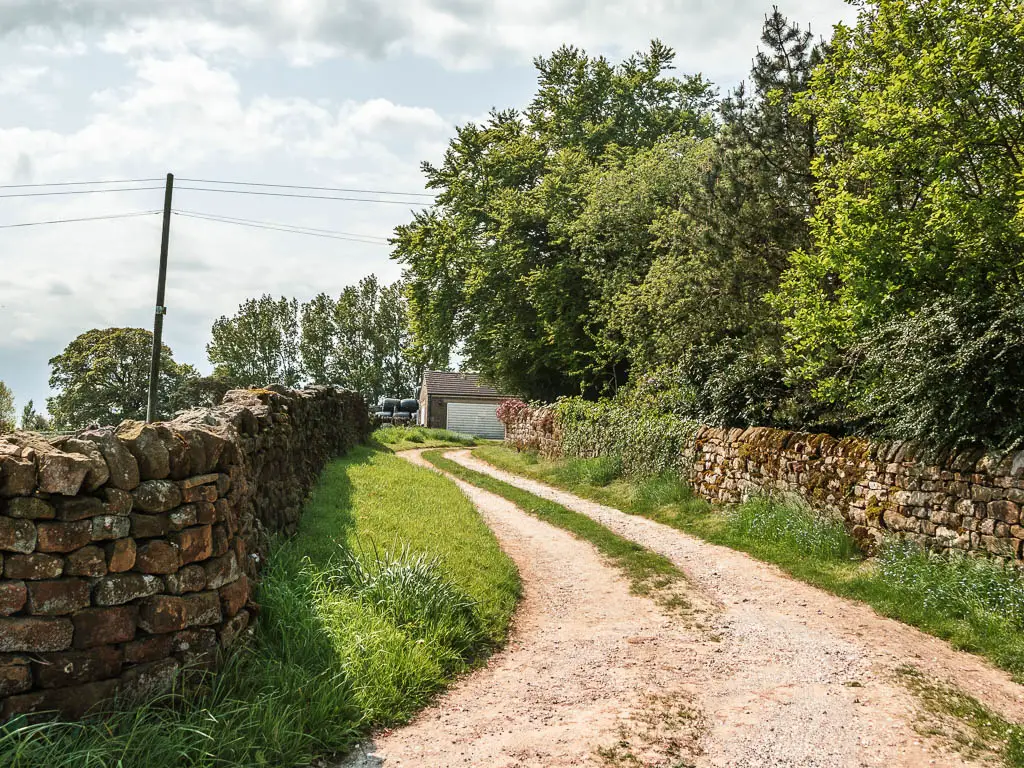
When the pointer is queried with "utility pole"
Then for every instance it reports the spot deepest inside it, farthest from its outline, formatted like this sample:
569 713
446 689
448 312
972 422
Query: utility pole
161 310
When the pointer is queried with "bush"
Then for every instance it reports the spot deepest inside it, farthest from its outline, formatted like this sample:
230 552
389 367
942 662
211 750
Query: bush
646 442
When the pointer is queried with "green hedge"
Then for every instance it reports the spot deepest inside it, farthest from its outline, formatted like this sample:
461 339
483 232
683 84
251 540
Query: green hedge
645 441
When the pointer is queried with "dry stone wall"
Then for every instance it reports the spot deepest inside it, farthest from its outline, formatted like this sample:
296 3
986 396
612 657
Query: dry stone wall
969 501
128 555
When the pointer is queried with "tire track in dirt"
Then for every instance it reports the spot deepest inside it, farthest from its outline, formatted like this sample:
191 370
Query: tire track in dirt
800 677
591 675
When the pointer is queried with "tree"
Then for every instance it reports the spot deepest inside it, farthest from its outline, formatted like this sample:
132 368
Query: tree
491 266
360 341
259 345
919 180
31 421
103 376
6 409
687 239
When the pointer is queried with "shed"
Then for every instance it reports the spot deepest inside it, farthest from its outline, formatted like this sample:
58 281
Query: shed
460 402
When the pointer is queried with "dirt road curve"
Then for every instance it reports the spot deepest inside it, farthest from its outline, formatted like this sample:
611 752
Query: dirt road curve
776 673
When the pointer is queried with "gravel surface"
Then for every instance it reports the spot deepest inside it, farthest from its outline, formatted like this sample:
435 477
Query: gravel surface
776 673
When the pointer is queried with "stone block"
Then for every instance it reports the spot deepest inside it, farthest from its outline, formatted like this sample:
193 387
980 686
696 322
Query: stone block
192 482
163 613
31 634
1004 511
30 508
124 469
196 648
202 609
145 444
234 596
72 703
15 674
149 680
32 567
177 453
156 496
232 629
13 595
118 502
149 526
17 476
108 527
59 670
148 648
79 508
17 535
221 540
195 543
63 537
184 516
98 473
223 485
121 588
58 597
157 556
62 473
206 512
221 570
120 555
191 578
206 493
87 561
104 626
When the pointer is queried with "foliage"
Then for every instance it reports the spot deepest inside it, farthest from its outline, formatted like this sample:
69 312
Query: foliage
361 341
392 587
204 391
919 178
644 441
511 410
31 420
972 602
948 374
103 377
492 265
259 345
6 409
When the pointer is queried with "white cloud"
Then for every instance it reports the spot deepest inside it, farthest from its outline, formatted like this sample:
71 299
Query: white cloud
15 81
459 33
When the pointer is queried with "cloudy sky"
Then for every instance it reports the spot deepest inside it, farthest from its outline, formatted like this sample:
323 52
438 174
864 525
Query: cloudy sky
332 93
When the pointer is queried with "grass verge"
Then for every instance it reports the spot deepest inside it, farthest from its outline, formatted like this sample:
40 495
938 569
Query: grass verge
648 572
392 587
964 722
975 604
405 438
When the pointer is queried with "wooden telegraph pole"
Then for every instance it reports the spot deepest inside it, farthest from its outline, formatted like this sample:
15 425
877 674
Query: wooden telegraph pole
161 310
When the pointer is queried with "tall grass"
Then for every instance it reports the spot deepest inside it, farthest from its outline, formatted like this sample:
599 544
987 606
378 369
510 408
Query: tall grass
392 586
975 603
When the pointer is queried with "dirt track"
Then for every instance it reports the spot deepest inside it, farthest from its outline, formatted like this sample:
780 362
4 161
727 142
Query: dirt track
777 673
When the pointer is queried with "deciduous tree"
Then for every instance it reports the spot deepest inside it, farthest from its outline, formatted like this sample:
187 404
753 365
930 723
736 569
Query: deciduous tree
259 344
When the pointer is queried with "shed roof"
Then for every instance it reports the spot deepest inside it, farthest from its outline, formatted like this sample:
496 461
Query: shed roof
466 384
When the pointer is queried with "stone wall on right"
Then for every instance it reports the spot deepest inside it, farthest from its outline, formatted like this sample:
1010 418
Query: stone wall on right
969 501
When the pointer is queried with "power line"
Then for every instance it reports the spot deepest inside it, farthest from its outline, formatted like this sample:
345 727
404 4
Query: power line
237 220
78 183
85 218
308 197
284 228
78 192
318 189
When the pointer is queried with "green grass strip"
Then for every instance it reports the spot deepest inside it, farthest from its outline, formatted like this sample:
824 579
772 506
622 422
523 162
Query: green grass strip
975 604
392 587
397 439
649 573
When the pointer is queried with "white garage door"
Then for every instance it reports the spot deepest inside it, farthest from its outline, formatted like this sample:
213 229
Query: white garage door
476 419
